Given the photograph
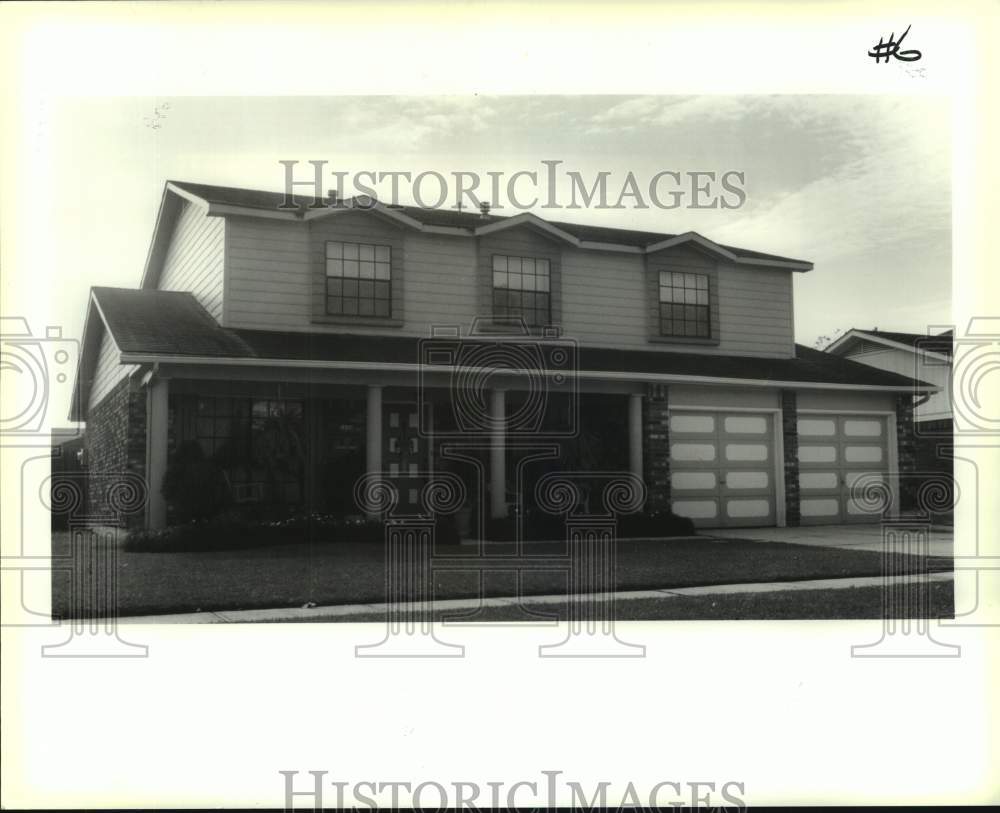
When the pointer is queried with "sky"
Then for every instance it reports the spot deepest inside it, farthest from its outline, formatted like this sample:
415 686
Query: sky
858 185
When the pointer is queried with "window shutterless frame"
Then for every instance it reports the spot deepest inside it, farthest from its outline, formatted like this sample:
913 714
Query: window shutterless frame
684 304
522 287
358 279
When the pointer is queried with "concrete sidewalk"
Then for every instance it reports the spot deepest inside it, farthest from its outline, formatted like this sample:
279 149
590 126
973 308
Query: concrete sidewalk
347 611
857 537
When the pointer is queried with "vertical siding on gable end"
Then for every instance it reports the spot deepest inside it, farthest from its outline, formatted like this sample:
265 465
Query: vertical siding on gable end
195 257
107 372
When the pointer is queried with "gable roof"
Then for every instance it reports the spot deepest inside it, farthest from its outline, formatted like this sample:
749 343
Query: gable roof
171 322
147 321
940 344
150 326
228 199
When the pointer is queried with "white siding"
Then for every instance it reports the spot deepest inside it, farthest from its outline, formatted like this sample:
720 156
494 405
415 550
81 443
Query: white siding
195 258
107 372
938 406
755 312
757 398
846 401
268 268
271 286
605 299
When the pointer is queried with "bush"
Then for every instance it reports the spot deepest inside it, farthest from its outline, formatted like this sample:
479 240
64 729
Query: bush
655 523
233 531
540 526
195 488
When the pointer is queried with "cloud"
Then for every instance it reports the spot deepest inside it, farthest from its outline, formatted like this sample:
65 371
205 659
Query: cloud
892 189
405 124
658 111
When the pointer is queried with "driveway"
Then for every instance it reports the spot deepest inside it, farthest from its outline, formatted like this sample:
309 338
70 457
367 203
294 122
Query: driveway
848 537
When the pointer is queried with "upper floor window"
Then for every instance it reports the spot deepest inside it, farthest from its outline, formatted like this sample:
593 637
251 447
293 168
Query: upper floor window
358 279
684 309
521 289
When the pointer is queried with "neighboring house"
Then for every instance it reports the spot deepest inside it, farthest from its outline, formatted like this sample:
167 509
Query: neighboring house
927 357
917 355
291 346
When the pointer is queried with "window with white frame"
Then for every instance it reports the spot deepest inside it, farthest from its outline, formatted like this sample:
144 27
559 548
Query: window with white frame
521 289
684 305
358 279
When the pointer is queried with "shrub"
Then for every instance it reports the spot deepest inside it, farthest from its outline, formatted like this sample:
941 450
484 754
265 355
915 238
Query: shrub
655 523
541 526
195 488
234 530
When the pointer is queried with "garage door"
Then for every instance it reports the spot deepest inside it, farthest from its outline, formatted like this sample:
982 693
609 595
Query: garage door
722 468
843 468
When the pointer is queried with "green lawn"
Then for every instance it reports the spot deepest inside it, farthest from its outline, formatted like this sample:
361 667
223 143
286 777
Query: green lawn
345 573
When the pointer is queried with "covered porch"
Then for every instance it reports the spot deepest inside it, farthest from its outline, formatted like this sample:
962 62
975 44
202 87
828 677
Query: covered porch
299 440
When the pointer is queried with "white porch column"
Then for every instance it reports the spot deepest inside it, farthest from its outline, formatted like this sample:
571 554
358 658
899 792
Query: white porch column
635 434
498 454
157 393
373 434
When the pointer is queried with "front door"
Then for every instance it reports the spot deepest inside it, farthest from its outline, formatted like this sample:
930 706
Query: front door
404 453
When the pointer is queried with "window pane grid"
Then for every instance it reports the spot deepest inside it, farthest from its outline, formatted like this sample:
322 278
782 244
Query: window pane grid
358 279
684 304
521 289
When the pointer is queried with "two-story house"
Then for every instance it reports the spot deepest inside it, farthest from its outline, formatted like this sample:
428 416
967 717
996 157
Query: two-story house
300 348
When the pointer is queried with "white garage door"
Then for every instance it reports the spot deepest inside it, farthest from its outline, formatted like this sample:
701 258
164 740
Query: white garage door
843 468
722 468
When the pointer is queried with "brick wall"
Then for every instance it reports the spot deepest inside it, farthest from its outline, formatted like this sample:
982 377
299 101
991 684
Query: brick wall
906 441
790 438
115 444
656 447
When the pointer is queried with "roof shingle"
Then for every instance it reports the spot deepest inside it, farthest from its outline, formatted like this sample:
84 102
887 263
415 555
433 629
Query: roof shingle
167 323
940 343
257 199
147 320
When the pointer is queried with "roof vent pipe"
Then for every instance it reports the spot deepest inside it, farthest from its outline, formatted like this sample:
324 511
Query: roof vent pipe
484 209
